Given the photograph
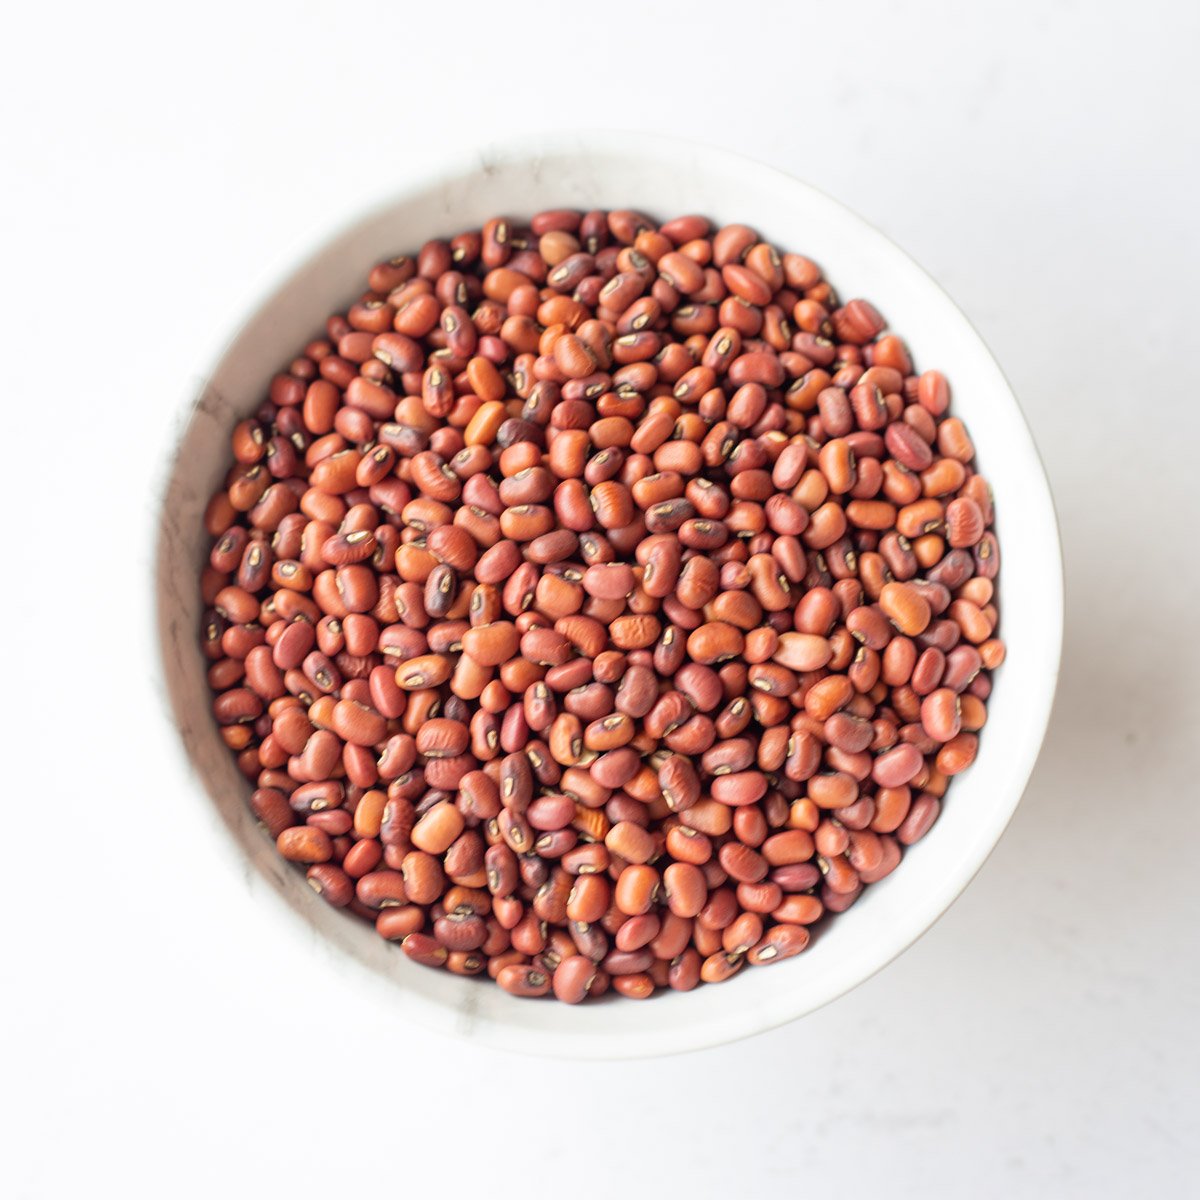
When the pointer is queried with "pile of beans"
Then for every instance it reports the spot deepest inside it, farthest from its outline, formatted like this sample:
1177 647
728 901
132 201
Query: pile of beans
598 604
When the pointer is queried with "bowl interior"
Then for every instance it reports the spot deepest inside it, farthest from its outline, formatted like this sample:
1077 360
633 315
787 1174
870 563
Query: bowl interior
665 179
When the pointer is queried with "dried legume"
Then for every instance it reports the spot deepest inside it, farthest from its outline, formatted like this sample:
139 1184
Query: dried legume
597 605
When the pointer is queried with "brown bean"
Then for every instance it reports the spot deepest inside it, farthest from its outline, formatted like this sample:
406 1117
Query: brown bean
803 651
609 581
779 942
305 844
630 842
382 889
908 610
573 978
358 724
957 754
637 889
523 981
437 829
920 818
897 766
741 787
492 644
941 714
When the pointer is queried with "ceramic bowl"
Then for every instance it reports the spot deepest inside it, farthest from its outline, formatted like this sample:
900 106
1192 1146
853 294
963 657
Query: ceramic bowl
665 178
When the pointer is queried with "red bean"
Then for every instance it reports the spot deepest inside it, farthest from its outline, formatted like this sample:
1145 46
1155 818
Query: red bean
597 605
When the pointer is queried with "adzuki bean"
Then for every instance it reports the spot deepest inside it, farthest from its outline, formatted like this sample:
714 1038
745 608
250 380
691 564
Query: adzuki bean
597 605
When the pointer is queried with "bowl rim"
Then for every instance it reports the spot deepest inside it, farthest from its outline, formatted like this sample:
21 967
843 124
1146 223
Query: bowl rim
445 171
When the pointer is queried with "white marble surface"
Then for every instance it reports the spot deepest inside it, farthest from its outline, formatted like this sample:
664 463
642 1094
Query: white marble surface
1039 160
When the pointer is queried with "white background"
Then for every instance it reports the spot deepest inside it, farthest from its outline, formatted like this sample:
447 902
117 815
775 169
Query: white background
159 163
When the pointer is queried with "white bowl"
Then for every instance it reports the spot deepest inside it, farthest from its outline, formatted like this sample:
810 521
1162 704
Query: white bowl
664 178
